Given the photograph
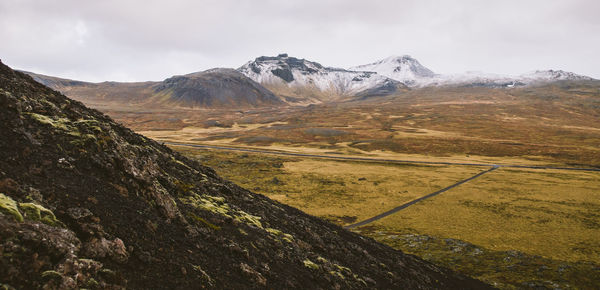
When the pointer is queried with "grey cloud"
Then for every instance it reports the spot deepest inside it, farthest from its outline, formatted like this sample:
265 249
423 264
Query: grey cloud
152 40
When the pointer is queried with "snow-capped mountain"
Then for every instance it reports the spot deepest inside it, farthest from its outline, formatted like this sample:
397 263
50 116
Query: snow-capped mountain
409 71
554 75
299 75
404 69
473 79
480 79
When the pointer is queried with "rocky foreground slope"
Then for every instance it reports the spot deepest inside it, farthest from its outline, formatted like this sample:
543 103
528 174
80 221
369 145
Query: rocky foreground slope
85 202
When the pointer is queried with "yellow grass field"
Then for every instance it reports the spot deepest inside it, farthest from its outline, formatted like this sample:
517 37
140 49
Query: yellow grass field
551 213
354 191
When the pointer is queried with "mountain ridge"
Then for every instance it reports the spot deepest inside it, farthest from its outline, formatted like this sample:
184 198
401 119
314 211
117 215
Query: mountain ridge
213 88
272 81
409 71
284 71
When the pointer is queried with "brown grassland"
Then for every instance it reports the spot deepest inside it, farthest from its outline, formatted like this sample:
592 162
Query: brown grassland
552 124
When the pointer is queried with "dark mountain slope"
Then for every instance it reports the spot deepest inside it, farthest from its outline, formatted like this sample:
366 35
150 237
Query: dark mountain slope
88 203
215 88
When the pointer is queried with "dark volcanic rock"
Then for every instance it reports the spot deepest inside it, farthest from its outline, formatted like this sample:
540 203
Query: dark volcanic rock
285 74
87 203
217 88
387 88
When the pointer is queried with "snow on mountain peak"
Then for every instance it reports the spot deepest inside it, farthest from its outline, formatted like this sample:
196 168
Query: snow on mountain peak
400 59
409 71
294 72
554 75
383 76
403 68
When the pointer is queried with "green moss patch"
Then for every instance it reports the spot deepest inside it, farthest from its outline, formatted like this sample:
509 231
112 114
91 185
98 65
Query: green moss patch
71 128
59 123
9 207
36 212
337 274
310 264
217 205
244 217
208 203
202 221
279 234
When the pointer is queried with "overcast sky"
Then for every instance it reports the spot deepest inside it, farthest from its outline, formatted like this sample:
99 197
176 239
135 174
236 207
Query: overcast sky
151 40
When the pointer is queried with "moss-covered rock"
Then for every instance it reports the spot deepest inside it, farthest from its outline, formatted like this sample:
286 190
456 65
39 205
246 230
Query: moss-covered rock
9 207
310 264
281 235
59 123
36 212
337 274
246 218
217 205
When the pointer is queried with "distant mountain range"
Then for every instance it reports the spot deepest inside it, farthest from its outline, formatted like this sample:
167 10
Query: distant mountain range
409 71
282 79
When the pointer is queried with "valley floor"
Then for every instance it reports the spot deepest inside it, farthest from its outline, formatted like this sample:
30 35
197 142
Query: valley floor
509 227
